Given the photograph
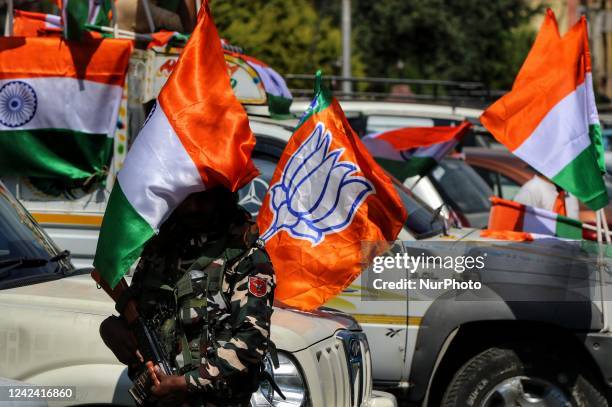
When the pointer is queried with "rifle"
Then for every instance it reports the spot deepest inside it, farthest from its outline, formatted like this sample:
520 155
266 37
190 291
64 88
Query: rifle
149 345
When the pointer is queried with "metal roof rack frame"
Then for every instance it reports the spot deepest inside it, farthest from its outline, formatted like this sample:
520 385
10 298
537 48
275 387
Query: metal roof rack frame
472 94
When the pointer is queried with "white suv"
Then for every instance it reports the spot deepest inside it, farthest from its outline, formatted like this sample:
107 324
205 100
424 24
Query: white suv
51 313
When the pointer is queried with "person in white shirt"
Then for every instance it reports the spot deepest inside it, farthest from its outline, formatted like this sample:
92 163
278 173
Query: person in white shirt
540 192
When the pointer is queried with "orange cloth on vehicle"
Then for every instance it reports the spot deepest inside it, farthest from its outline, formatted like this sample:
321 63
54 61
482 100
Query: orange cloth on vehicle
559 206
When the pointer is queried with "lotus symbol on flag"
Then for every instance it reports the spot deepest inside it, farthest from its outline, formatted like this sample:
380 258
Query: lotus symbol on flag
317 194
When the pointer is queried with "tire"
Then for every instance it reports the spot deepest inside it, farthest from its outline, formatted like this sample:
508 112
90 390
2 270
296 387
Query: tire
522 375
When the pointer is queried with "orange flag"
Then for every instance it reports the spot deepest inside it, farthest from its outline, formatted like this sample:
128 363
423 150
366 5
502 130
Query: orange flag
408 138
31 24
326 197
197 136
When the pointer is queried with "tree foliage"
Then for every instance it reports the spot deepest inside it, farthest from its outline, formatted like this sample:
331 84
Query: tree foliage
289 35
471 40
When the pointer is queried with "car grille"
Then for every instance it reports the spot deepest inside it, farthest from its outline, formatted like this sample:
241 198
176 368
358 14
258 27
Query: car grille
345 364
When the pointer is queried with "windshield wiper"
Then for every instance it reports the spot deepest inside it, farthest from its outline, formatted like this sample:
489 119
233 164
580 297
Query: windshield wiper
24 262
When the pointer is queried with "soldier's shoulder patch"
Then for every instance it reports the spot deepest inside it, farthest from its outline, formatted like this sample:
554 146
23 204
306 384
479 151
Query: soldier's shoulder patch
258 286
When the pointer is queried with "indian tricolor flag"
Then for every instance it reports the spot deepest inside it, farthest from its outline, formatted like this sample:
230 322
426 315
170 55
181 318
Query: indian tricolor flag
549 119
196 137
59 103
328 201
513 216
77 13
412 151
31 24
163 38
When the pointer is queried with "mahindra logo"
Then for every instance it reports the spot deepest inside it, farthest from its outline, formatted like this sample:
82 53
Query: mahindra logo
355 349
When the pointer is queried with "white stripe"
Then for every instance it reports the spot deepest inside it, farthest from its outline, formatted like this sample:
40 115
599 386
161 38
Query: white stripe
64 103
536 220
591 105
560 136
53 21
381 148
158 174
436 151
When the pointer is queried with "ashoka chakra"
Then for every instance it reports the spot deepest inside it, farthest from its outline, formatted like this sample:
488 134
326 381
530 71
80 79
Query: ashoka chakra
18 103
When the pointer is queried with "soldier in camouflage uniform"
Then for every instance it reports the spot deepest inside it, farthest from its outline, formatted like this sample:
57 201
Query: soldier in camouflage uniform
206 285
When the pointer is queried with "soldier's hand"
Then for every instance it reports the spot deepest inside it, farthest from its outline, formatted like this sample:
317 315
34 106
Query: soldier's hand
130 312
165 384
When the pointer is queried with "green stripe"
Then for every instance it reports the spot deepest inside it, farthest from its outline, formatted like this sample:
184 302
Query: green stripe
405 169
568 228
54 154
77 14
122 237
582 178
102 17
597 140
322 99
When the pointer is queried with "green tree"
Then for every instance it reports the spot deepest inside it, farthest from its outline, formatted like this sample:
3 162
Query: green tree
468 40
289 35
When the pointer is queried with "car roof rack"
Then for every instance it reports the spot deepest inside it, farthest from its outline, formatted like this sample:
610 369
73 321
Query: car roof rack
455 93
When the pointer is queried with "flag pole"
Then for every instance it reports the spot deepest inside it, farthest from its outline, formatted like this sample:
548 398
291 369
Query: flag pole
592 228
124 34
8 22
604 223
149 16
115 23
599 227
601 221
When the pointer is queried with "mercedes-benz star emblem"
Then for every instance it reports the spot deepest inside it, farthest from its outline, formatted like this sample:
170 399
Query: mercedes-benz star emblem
253 197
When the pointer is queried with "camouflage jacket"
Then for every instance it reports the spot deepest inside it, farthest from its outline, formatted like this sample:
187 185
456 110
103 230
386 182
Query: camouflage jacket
225 348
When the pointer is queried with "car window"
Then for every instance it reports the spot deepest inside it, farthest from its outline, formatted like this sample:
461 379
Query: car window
420 221
461 186
509 188
491 178
501 185
20 237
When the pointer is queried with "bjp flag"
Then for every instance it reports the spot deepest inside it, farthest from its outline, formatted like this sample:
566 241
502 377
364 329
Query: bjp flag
326 197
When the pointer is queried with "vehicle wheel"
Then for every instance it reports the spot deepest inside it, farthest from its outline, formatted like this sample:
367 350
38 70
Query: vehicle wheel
521 375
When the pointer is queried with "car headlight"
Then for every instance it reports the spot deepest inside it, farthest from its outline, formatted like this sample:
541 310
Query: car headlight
289 380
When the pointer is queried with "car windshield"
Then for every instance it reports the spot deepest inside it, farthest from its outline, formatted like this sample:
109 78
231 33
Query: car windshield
461 186
420 222
21 239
